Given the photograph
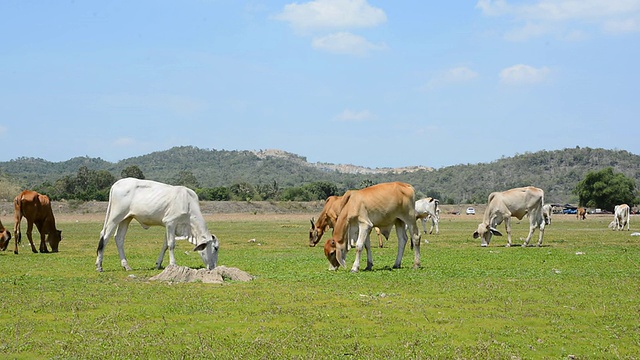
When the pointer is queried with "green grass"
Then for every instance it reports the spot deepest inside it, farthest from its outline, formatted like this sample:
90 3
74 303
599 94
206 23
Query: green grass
576 295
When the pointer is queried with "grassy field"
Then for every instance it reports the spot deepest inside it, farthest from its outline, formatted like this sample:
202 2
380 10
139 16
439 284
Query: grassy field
578 295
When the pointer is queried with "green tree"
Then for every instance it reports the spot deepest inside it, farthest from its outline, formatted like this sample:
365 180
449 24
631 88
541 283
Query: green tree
366 183
243 191
320 190
297 194
186 178
604 189
214 194
132 171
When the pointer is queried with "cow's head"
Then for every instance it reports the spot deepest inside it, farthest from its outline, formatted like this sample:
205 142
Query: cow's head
330 251
54 239
485 232
315 233
5 236
208 251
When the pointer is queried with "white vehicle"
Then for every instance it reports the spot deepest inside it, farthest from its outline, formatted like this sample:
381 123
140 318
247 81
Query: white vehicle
471 211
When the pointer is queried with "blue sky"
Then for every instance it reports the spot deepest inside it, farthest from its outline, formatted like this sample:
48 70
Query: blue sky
364 82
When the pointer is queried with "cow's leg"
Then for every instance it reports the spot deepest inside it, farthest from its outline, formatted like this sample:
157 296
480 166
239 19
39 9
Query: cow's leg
424 225
507 225
434 222
542 225
364 230
17 235
162 251
110 227
532 228
414 233
29 236
402 242
120 233
43 237
171 243
367 246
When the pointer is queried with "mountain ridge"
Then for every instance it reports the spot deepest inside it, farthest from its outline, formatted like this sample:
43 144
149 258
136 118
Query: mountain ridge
557 171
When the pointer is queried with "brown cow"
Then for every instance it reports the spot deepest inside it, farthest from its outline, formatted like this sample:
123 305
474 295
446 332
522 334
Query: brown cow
328 218
36 208
5 236
384 205
581 213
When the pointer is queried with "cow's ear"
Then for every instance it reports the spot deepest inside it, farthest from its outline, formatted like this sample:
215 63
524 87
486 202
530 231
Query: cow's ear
495 232
201 246
313 224
476 235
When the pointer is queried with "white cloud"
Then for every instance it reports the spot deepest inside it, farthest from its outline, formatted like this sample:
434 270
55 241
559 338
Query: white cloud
524 74
559 17
124 141
340 14
345 43
355 116
456 75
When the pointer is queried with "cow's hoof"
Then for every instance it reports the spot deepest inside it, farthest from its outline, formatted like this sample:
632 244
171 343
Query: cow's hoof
15 252
127 268
99 269
484 245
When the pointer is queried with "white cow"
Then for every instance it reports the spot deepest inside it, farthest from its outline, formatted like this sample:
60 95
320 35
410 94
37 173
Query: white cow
516 202
428 208
620 217
546 213
156 204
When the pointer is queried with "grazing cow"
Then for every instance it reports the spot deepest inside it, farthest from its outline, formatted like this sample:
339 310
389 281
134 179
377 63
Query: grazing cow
546 214
517 203
5 237
620 217
428 208
328 218
36 208
581 213
155 204
382 205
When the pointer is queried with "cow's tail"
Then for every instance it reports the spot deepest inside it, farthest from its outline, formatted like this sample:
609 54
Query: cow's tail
106 219
17 205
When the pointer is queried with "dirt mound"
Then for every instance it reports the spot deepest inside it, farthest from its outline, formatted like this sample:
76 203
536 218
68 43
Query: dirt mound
219 275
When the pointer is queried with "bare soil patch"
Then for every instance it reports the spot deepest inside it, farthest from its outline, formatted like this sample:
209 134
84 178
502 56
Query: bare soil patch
179 274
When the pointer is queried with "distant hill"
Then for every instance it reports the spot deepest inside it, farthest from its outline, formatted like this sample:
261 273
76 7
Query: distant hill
557 172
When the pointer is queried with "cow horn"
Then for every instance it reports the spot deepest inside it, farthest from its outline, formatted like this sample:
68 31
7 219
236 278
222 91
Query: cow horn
313 224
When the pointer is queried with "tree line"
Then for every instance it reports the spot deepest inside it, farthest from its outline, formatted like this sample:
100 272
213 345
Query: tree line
599 189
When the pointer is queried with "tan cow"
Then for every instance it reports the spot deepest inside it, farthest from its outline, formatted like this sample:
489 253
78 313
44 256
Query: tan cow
620 217
36 208
327 220
382 205
516 203
581 213
5 237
